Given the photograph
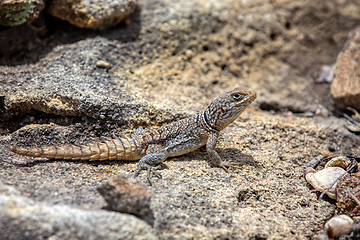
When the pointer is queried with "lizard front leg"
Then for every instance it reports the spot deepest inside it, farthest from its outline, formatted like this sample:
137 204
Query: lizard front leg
214 156
155 155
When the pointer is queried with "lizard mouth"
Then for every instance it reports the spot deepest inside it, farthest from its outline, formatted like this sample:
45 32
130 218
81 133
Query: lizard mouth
251 94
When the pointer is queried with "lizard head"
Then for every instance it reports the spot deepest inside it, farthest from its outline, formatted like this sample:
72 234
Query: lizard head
227 108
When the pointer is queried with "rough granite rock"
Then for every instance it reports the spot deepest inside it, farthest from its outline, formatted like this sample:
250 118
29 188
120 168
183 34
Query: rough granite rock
17 12
125 195
99 14
345 87
347 191
167 62
22 218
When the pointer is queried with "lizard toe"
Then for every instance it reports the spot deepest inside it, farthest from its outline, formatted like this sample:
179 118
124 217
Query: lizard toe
150 169
230 164
157 174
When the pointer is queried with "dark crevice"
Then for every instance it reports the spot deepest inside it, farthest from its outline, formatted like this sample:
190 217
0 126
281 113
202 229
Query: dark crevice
250 44
287 25
27 43
38 117
270 106
273 36
275 107
2 104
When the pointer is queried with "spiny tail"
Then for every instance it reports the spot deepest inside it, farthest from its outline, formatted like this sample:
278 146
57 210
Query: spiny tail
125 148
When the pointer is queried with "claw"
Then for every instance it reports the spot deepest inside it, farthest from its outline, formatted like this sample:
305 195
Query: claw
137 172
224 167
149 169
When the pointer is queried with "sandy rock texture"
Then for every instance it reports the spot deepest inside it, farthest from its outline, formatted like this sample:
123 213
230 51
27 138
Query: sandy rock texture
125 195
168 61
346 85
23 218
92 14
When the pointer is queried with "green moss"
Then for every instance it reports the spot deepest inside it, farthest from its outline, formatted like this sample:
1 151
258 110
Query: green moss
18 14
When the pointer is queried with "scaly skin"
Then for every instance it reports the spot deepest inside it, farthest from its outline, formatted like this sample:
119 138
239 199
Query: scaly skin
153 147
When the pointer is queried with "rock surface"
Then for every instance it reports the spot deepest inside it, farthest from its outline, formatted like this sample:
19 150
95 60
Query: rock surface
22 218
345 87
99 14
125 195
17 12
347 193
168 62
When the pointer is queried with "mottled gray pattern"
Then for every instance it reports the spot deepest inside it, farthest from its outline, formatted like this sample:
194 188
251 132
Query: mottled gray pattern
191 133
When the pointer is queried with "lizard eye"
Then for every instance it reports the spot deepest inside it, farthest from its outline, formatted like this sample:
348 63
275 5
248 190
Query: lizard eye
237 96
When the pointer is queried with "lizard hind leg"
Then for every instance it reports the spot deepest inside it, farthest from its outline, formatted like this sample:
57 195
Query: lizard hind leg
155 155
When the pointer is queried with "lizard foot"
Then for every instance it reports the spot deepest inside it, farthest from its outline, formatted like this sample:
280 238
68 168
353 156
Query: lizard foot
150 169
229 164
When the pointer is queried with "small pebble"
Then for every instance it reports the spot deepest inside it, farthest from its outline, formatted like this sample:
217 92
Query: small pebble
341 161
326 74
339 225
323 179
103 64
189 53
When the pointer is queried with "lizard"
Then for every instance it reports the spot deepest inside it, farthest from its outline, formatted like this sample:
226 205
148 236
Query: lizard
152 147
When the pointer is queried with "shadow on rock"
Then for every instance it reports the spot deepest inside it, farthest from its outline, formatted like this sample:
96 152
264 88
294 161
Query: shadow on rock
27 43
